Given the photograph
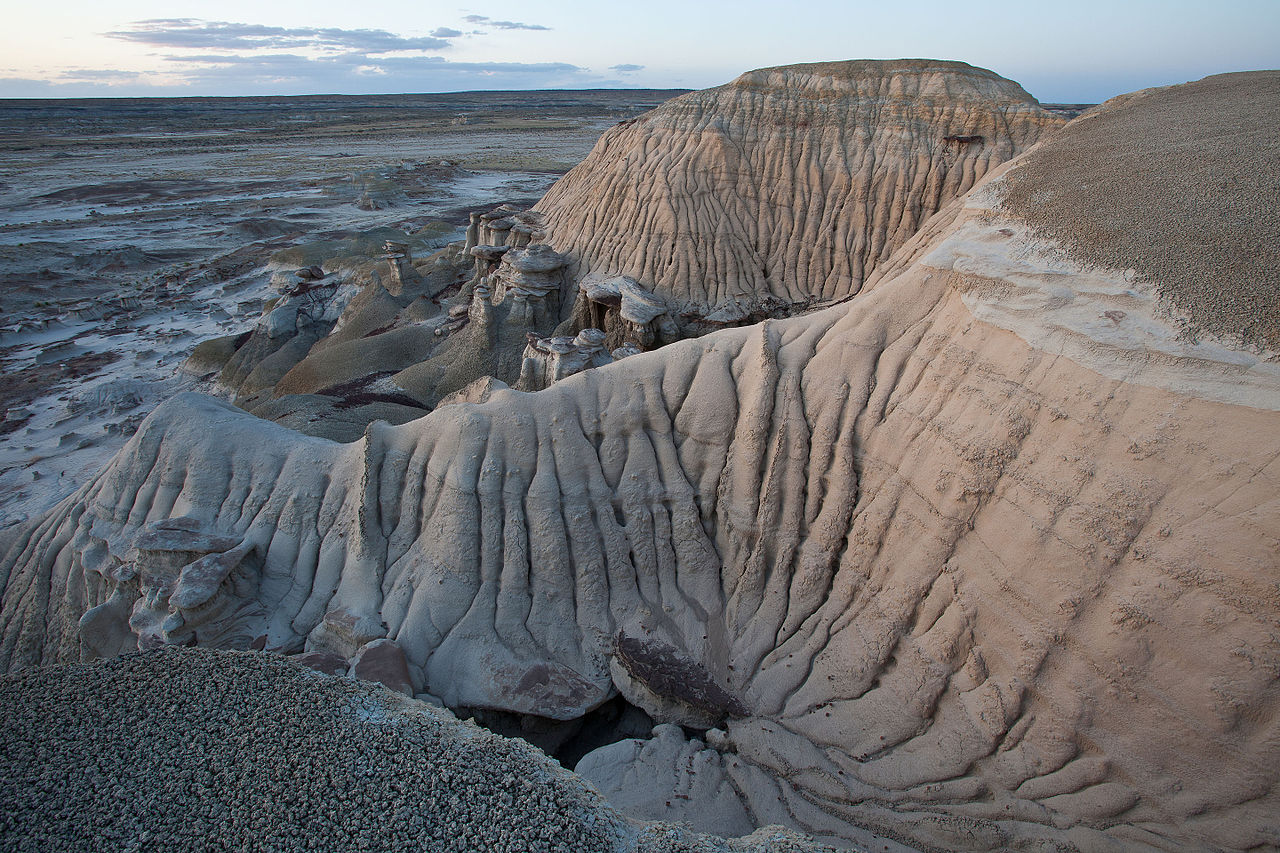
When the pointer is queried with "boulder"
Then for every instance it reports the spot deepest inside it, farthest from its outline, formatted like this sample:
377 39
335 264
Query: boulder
383 661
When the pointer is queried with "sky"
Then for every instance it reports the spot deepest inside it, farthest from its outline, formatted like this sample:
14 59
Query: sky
1062 52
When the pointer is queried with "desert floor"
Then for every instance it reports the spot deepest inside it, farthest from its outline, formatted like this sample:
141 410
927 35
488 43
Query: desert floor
130 230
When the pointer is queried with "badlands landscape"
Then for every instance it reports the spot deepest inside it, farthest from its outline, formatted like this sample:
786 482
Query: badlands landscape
854 455
131 229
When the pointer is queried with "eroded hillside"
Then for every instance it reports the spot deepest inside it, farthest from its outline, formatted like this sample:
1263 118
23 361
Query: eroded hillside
787 186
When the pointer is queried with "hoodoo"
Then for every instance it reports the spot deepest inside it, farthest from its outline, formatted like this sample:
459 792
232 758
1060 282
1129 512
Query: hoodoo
984 557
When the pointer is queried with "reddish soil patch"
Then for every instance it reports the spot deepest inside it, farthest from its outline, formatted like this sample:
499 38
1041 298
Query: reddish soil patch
20 387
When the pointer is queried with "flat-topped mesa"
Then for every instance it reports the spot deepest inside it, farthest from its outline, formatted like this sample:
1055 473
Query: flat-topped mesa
783 189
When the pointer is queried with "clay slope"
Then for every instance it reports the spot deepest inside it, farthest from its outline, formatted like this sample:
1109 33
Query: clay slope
985 558
789 184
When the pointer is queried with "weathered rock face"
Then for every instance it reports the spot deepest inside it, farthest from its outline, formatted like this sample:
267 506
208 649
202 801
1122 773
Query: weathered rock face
974 560
788 185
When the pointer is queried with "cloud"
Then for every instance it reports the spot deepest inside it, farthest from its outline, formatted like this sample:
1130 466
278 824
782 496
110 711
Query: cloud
360 73
229 58
626 68
277 62
104 75
26 87
73 82
192 33
502 25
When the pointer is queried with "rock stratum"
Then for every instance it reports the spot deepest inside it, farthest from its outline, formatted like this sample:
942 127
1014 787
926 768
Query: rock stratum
982 558
787 186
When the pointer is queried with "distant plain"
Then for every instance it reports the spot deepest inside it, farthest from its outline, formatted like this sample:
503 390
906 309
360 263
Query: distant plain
131 229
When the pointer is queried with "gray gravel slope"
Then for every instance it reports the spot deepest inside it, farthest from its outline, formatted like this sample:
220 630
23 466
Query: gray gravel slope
1183 185
193 749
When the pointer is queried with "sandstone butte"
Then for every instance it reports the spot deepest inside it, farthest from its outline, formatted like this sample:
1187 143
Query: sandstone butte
788 183
983 557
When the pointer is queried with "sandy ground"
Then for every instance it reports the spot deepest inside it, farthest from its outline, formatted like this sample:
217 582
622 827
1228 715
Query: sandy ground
131 230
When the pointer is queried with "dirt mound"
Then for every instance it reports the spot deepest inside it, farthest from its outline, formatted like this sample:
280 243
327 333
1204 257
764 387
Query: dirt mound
1181 186
195 749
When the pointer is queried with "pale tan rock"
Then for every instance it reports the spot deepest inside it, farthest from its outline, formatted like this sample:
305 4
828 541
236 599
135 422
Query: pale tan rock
789 182
477 392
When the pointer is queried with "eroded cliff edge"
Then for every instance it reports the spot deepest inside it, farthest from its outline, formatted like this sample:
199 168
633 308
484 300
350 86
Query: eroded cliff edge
955 579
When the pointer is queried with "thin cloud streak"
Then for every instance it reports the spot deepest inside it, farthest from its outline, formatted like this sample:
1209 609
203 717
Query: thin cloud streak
292 63
484 20
192 33
104 75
